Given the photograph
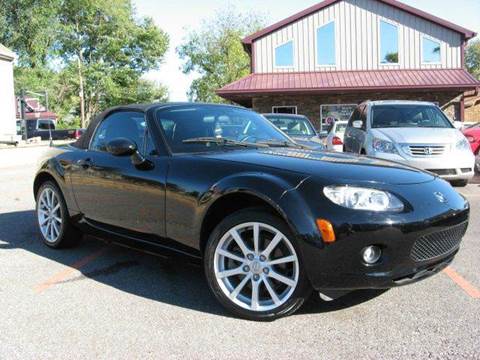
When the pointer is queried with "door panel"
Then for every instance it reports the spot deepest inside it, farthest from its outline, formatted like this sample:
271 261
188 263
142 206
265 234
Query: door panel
111 190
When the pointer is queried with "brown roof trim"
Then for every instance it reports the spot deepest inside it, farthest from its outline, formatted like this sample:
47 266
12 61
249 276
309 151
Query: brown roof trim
459 87
468 34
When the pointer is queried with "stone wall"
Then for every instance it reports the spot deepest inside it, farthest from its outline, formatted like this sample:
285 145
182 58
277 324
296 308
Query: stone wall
309 105
472 113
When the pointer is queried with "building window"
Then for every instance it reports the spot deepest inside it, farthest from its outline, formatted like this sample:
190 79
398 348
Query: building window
284 109
334 112
284 55
431 51
388 43
326 44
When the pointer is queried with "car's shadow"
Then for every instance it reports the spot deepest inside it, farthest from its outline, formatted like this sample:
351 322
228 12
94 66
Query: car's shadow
170 280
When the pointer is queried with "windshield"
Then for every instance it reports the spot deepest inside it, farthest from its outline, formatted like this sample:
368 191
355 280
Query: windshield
292 126
408 116
189 122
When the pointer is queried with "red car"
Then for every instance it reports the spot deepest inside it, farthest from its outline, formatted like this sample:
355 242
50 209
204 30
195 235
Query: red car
472 134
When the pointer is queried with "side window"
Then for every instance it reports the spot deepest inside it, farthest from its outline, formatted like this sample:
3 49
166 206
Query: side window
149 145
124 124
355 116
363 116
46 125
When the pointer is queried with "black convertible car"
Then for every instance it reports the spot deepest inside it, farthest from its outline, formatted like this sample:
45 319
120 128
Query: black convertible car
269 220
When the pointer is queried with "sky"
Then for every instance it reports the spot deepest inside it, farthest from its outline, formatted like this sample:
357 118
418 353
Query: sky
179 17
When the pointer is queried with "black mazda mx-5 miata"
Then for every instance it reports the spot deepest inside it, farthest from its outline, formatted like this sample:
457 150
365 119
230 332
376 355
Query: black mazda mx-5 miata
270 220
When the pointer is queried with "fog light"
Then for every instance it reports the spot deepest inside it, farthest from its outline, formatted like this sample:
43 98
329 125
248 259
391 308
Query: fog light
372 254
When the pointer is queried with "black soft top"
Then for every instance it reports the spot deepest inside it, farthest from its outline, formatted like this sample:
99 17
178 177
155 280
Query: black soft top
84 140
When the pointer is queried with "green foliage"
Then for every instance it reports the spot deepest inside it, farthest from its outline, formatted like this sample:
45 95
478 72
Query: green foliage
29 27
88 54
392 58
215 52
472 58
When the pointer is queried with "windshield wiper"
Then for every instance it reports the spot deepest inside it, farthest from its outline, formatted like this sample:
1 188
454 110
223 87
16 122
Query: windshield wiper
279 143
222 142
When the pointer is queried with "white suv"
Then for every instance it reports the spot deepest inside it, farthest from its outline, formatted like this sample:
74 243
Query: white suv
414 133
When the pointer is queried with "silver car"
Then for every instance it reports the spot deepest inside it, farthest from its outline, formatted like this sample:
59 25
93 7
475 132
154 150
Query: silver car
414 133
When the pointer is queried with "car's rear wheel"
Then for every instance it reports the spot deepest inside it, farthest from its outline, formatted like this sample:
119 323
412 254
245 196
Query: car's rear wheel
254 268
53 219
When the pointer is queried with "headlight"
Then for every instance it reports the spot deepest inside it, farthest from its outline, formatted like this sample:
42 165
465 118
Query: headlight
462 145
363 198
384 146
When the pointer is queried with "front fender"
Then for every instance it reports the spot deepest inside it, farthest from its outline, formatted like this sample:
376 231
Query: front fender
54 167
283 193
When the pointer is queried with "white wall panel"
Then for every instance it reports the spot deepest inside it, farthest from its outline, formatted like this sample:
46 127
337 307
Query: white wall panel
357 39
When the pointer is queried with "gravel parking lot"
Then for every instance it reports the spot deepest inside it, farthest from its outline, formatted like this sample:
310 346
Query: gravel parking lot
104 301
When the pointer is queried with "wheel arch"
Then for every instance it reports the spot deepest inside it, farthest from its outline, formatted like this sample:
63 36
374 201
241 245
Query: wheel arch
278 195
40 179
231 203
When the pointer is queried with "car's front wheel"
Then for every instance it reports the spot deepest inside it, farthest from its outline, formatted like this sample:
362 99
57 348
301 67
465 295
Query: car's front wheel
254 268
53 219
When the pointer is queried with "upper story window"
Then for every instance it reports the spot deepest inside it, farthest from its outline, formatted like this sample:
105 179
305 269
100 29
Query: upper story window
326 44
284 55
431 51
388 43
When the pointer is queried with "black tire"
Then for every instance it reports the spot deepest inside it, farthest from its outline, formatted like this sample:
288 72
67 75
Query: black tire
302 290
68 235
459 183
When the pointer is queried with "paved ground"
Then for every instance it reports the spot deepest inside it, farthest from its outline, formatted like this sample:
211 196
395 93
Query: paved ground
108 302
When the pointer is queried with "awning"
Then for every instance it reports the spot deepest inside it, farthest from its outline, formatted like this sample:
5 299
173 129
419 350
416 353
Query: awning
350 81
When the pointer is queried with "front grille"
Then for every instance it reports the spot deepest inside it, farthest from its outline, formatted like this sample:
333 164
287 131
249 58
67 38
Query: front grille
466 170
438 243
443 172
427 150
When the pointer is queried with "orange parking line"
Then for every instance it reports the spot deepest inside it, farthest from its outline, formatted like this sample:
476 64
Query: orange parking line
471 290
63 275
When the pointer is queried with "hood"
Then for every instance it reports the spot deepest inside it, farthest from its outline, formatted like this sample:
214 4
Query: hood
338 166
312 141
419 135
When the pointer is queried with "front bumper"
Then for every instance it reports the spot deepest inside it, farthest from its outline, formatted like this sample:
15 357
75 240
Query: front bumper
454 166
415 244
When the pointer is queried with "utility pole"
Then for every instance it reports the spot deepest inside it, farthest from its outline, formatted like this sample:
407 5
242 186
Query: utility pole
46 100
22 114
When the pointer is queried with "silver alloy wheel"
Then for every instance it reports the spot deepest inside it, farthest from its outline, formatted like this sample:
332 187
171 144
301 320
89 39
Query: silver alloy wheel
256 266
49 215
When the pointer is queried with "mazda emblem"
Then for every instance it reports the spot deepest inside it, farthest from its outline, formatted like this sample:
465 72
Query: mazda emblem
440 197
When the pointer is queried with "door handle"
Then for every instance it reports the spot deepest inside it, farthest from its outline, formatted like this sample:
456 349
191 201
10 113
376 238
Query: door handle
84 163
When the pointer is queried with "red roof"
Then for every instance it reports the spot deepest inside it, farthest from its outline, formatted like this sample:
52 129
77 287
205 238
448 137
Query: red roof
347 81
468 34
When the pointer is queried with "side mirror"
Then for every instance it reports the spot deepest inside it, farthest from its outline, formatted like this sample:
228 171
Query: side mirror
127 147
357 124
122 147
458 125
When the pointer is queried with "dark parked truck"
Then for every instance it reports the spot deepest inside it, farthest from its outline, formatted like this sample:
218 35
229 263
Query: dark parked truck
46 128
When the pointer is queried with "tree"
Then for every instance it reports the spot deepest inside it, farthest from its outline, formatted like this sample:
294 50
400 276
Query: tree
391 58
88 54
109 49
29 27
472 58
215 52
